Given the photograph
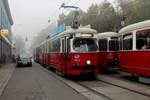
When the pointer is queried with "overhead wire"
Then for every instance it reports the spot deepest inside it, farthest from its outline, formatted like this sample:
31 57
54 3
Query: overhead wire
69 1
55 11
76 2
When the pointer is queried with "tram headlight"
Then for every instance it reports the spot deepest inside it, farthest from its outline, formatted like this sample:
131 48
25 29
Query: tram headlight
88 62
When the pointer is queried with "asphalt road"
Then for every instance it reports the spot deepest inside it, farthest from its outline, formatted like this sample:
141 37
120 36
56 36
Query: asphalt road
33 83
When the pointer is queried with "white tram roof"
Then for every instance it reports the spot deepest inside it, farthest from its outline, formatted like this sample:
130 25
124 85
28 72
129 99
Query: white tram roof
42 43
79 30
136 26
107 34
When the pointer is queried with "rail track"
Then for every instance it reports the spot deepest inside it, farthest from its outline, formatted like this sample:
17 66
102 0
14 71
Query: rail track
98 93
129 89
125 81
119 88
66 82
137 95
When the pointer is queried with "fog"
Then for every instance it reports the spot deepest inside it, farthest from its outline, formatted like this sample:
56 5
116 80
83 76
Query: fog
31 16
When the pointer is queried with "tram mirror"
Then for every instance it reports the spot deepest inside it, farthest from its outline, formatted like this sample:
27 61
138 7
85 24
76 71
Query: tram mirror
71 36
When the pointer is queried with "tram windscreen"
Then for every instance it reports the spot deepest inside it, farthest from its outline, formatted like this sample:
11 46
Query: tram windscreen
85 44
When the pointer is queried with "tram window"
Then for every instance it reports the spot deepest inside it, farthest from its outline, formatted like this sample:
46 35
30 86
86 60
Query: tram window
57 43
49 47
63 46
37 50
44 48
56 46
103 45
68 45
127 42
113 45
85 44
143 39
41 49
120 43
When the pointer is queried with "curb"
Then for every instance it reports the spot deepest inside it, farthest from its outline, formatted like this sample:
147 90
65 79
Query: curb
6 72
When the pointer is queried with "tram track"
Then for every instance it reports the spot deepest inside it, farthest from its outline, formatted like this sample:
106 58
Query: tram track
66 82
132 90
88 89
99 93
126 87
110 97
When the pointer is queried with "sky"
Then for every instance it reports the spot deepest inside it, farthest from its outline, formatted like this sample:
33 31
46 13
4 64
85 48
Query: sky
31 16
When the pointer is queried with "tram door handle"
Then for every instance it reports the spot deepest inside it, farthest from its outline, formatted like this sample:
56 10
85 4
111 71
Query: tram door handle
63 54
119 56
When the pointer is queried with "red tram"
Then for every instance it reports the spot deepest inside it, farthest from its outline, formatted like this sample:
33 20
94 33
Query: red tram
72 52
134 56
36 54
108 49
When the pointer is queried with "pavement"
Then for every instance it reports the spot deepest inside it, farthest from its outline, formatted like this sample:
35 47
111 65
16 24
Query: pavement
34 83
6 72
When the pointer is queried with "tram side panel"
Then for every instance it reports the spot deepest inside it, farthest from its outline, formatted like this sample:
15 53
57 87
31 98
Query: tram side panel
55 61
46 59
46 55
113 59
65 62
36 54
103 60
135 48
108 49
40 54
135 62
108 60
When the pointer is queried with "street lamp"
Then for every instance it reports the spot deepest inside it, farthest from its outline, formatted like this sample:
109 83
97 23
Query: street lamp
123 21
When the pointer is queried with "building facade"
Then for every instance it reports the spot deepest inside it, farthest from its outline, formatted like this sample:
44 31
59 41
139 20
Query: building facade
5 23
